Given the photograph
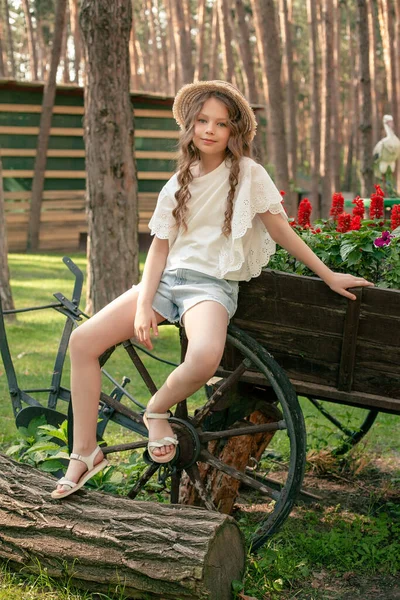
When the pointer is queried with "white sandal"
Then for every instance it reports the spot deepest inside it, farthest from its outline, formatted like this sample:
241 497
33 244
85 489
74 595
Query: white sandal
91 470
165 441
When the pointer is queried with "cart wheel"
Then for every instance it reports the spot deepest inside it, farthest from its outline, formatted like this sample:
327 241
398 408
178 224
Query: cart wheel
351 436
250 380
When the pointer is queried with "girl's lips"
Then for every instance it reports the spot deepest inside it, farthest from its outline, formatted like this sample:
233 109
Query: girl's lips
209 141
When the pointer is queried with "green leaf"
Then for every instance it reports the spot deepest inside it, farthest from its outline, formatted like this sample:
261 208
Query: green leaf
51 465
54 432
346 248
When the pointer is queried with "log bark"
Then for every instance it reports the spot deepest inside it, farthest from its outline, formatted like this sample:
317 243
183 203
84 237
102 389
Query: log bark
98 540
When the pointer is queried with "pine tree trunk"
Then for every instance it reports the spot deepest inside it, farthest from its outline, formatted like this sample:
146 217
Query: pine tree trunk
336 130
326 120
104 542
226 41
213 62
182 43
365 109
382 20
315 141
112 204
10 41
291 92
133 53
3 54
49 93
74 21
64 49
391 20
270 58
373 48
246 52
201 22
31 41
5 288
173 75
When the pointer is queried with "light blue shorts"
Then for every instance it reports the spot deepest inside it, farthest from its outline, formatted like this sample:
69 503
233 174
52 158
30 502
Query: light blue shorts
181 289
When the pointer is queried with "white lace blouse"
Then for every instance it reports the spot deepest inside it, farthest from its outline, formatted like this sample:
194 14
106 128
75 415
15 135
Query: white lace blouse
203 247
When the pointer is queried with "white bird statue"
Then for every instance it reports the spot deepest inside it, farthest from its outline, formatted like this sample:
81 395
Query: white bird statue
387 150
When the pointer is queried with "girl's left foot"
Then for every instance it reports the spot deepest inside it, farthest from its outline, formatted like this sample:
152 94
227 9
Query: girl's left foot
94 463
162 441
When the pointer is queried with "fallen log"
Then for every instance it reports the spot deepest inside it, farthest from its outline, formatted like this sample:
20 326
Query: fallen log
100 541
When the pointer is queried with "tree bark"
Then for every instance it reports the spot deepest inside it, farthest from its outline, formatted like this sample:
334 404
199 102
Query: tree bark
201 21
64 49
182 43
270 58
315 141
49 93
97 540
366 109
336 142
213 62
373 47
31 41
3 53
112 203
246 52
226 41
74 21
326 120
10 41
290 91
5 288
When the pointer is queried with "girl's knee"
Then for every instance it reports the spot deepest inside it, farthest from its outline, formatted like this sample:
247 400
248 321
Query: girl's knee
79 342
204 362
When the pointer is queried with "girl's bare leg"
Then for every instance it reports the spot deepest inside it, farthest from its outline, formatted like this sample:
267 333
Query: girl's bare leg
205 324
110 326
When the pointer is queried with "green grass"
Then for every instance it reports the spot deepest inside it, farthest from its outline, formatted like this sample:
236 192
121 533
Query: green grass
329 538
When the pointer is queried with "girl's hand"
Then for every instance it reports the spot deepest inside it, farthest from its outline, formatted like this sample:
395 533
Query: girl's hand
339 282
145 320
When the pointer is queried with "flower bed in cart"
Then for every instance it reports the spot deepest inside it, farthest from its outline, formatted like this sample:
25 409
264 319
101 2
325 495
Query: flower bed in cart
333 348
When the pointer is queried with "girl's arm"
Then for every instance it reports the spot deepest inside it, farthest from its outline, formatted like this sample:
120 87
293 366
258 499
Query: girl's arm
282 233
145 318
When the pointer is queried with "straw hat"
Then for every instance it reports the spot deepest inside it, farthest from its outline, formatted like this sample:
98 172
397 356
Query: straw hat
189 93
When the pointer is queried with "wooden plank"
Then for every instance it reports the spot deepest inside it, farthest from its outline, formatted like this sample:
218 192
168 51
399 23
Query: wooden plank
53 174
79 110
26 152
378 301
349 343
47 194
371 356
62 131
379 329
37 108
156 133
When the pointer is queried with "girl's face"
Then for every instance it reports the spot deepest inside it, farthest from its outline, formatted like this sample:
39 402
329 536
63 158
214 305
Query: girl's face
211 128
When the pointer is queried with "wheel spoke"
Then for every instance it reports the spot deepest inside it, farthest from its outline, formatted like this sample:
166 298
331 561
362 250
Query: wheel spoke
250 430
143 372
123 447
120 408
149 472
195 478
219 392
207 457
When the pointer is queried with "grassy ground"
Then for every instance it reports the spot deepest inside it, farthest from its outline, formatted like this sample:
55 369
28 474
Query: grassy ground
342 546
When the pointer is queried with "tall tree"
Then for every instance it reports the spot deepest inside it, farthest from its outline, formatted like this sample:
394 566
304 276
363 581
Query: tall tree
326 120
74 22
201 21
10 39
5 288
286 7
49 93
265 22
214 45
366 109
315 140
31 40
3 54
182 43
226 40
112 203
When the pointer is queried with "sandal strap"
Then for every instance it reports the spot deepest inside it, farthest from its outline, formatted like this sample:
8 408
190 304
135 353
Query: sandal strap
158 415
166 441
88 460
65 481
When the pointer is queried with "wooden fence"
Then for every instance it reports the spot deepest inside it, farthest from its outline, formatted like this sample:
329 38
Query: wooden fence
63 218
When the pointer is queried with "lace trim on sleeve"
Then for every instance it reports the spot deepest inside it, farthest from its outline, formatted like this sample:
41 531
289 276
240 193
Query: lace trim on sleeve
162 221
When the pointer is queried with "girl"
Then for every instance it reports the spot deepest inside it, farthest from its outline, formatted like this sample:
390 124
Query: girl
216 223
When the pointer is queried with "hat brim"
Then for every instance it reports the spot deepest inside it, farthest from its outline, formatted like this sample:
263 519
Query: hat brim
188 94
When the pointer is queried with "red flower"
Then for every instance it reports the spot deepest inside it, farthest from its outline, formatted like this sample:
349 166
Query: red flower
395 217
355 222
304 213
293 223
358 209
337 205
282 193
376 206
344 220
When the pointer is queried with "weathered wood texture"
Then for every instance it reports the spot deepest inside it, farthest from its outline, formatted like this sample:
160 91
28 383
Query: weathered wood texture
151 550
331 347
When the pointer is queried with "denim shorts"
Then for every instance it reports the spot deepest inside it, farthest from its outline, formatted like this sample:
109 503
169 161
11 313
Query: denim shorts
180 289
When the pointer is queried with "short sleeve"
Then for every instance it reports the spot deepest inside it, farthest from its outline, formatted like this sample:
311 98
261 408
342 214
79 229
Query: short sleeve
265 196
162 223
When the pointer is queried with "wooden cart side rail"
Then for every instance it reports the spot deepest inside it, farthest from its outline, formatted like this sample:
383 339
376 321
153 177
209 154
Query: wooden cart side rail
338 348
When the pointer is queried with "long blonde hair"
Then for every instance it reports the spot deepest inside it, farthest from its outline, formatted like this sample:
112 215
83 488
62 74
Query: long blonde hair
238 146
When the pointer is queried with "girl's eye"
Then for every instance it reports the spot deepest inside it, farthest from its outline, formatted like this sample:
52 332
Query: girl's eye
222 124
202 120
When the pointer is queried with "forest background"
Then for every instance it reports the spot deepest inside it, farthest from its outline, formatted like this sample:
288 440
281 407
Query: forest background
324 72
